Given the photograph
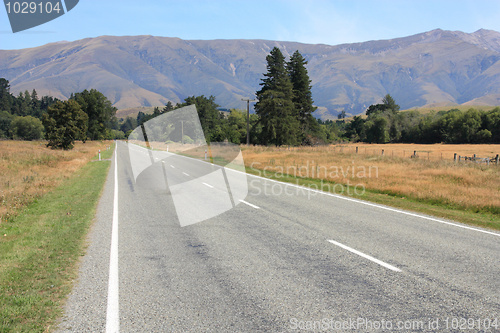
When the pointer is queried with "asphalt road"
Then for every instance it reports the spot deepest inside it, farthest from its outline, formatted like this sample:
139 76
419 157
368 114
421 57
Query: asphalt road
282 260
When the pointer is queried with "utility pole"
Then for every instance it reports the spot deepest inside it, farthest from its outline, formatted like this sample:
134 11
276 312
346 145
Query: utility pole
248 100
182 131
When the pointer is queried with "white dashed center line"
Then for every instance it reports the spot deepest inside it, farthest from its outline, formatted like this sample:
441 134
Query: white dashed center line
366 256
249 204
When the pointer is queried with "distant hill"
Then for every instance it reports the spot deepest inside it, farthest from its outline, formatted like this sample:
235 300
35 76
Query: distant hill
435 67
438 108
132 112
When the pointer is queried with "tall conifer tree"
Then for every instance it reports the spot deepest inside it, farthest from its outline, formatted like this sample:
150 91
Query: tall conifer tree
275 104
302 95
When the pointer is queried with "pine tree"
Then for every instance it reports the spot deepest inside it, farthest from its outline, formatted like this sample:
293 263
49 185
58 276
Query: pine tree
168 107
302 95
389 102
35 105
5 96
275 104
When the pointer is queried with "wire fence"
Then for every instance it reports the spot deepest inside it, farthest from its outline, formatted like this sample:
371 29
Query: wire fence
391 152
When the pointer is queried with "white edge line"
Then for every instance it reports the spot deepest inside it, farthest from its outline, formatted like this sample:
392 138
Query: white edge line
208 185
353 200
112 312
366 256
249 204
375 205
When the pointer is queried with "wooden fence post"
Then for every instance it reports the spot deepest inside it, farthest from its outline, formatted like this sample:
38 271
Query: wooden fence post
497 159
382 152
415 153
356 150
455 157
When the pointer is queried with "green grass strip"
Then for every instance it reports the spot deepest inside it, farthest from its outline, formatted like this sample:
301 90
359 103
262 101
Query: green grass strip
486 218
40 249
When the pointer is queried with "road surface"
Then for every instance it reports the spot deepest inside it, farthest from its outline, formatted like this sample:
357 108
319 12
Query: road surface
282 260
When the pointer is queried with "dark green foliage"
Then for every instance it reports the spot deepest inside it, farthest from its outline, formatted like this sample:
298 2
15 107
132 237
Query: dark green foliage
36 110
65 122
386 124
25 104
377 130
102 123
142 118
45 102
212 121
483 136
236 127
168 107
302 95
330 131
355 130
100 112
27 128
115 135
5 121
375 109
388 104
491 122
128 125
5 96
275 106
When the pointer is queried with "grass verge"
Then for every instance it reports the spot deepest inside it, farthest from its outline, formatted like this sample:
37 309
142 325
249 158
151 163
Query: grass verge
40 248
481 218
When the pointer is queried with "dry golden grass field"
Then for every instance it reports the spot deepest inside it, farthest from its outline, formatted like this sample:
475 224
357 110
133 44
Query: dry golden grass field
30 169
432 177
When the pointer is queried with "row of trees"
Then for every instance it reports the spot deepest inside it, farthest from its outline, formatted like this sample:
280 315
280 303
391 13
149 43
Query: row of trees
20 116
87 115
384 123
217 126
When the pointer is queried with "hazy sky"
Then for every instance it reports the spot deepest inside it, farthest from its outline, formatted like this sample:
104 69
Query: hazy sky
308 21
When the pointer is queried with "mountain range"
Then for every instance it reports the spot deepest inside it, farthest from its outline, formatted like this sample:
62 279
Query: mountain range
432 68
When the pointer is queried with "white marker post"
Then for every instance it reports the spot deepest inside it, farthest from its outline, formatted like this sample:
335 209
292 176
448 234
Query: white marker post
99 154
